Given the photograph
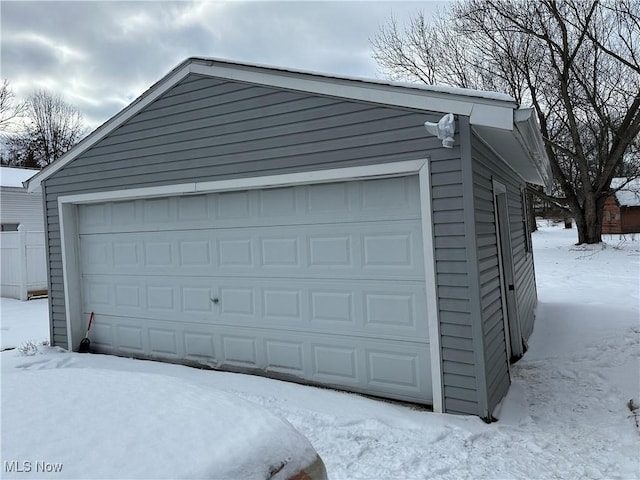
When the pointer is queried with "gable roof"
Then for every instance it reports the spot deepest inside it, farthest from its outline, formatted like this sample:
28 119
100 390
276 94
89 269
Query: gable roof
490 110
629 194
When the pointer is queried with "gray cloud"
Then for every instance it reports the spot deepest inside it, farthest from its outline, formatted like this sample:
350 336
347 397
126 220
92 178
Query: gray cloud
102 55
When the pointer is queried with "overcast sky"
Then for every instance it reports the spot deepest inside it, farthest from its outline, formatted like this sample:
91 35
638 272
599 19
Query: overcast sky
101 55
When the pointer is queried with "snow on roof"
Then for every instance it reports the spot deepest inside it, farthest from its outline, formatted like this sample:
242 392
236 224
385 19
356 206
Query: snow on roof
418 86
629 194
13 177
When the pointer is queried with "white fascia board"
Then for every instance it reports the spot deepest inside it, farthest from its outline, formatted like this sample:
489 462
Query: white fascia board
527 132
488 112
266 181
141 102
492 116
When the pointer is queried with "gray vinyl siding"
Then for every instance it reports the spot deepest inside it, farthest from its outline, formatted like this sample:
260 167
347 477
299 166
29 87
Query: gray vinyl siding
486 167
210 129
449 181
526 293
43 208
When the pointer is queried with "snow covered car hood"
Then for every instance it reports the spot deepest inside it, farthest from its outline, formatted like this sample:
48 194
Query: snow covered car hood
96 423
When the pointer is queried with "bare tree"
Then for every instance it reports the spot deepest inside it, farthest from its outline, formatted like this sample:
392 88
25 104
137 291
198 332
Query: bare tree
9 109
576 62
51 128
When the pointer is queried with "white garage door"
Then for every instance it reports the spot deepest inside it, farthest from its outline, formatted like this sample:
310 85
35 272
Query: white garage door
321 282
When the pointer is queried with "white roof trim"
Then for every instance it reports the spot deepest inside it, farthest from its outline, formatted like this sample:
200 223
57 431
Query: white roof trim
482 111
114 122
527 131
483 108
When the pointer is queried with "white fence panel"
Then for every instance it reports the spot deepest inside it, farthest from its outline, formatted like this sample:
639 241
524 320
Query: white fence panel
22 264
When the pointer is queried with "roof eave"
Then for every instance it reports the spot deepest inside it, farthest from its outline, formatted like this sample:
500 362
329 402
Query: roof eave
521 148
527 132
496 113
489 112
153 92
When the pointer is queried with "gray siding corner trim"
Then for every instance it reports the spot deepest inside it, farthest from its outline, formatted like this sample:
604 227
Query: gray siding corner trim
48 266
454 261
473 272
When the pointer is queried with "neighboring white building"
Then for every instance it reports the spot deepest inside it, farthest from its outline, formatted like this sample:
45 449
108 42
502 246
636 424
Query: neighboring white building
17 205
22 252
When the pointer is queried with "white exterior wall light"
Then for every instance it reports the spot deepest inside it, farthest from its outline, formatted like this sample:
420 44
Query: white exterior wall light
445 129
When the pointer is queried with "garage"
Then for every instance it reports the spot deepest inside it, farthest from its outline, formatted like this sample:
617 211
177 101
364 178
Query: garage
321 282
304 227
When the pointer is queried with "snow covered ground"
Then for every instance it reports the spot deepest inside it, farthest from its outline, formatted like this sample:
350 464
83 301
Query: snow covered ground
566 415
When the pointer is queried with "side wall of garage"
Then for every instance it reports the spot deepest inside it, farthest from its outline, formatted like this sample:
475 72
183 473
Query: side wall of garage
487 168
474 358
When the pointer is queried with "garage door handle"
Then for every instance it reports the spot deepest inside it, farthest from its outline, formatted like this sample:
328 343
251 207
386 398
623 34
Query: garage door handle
215 301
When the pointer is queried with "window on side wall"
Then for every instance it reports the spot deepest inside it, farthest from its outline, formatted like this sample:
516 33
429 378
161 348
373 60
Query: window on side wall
9 227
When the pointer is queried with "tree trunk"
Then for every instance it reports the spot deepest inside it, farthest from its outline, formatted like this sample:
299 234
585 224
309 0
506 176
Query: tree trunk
589 221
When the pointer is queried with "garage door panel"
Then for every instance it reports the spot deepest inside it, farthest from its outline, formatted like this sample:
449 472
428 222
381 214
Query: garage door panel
367 308
102 335
393 369
199 346
235 253
237 300
95 216
324 283
160 298
279 202
371 200
396 369
164 342
192 208
240 350
285 356
158 211
389 193
130 338
330 198
391 249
